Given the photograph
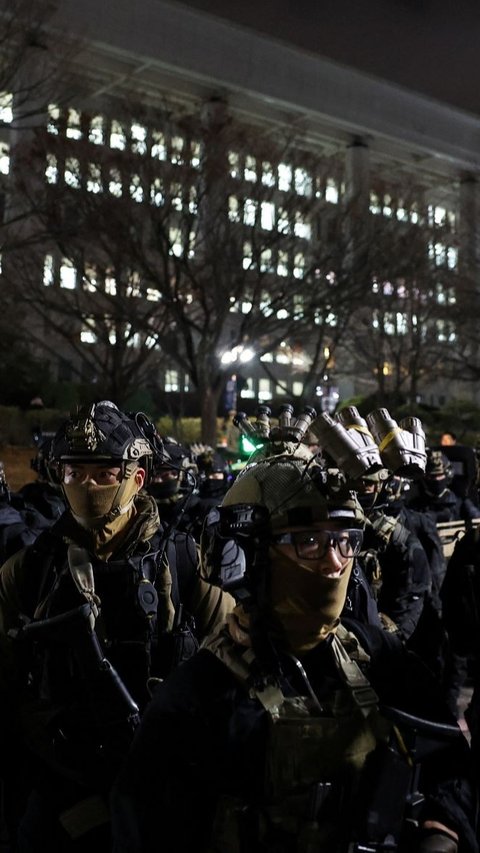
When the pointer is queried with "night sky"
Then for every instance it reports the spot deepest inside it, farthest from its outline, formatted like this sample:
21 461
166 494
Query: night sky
430 46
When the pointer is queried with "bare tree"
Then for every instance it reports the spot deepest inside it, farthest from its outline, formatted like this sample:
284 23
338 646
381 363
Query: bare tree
223 244
404 332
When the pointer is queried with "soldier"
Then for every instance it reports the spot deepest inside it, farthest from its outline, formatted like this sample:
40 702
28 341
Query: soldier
173 483
277 736
45 494
435 498
99 605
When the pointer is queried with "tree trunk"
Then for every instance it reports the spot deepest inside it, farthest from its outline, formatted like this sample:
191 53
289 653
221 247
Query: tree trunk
209 408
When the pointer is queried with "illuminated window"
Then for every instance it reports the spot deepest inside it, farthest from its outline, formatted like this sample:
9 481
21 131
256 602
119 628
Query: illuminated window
297 388
268 175
96 132
266 304
73 124
89 280
445 331
153 295
452 258
395 323
268 357
176 244
248 390
115 183
156 192
266 261
68 275
195 154
283 222
110 285
284 176
233 209
302 228
72 172
171 380
94 178
6 107
402 212
298 309
247 256
192 200
387 205
134 285
176 191
53 119
48 271
159 148
249 212
51 170
4 158
118 137
264 389
87 333
177 150
136 189
303 182
282 264
299 265
250 172
282 356
234 164
331 191
445 295
267 215
139 138
375 204
280 389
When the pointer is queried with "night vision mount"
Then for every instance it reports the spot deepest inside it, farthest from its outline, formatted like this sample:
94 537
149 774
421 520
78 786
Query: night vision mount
357 446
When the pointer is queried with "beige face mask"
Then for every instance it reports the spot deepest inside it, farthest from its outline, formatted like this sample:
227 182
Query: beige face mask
92 504
305 603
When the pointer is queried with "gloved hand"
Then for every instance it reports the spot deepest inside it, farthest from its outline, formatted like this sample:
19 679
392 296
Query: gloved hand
436 841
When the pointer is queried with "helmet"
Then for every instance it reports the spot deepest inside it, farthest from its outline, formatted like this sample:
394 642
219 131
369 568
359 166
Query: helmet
295 490
438 465
41 462
102 433
269 495
173 474
208 460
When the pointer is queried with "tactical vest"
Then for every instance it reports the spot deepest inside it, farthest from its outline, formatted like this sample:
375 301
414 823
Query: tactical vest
89 670
315 756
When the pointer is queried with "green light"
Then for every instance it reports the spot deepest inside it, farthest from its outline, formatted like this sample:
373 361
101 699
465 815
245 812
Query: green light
247 445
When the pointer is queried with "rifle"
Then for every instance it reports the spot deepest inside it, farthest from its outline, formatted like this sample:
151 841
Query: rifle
393 800
107 712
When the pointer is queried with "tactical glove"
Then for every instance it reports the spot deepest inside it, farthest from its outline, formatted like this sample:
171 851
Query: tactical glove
436 841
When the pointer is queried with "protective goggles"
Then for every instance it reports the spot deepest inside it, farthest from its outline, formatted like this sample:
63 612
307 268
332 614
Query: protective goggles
313 544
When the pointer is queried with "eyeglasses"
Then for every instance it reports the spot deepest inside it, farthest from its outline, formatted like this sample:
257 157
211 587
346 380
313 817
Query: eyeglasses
313 544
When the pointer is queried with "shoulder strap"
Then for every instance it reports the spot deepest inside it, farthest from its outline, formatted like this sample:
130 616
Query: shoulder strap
181 553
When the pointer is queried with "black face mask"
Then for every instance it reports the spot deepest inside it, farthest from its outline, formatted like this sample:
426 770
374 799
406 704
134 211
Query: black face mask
436 487
164 491
368 500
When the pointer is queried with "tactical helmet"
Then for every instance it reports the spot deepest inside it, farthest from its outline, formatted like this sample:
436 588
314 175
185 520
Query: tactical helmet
177 461
102 433
438 465
295 490
208 460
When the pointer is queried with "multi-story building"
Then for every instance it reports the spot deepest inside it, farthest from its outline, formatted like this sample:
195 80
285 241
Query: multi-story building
351 145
